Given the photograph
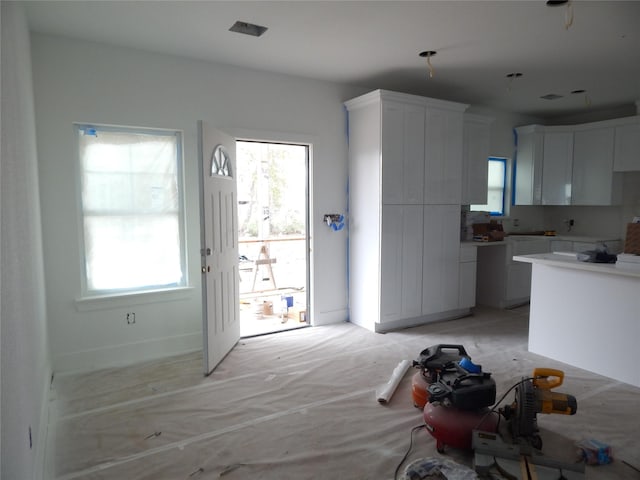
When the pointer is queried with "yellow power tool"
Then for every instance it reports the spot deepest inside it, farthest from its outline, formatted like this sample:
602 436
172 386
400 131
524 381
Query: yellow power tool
534 395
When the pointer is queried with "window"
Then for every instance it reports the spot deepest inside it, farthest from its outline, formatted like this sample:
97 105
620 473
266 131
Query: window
497 180
132 212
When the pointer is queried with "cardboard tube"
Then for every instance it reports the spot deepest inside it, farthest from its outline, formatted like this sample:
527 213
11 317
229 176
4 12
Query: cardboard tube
384 393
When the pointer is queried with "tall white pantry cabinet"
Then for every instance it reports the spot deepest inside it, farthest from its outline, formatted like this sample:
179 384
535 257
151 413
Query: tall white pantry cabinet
405 176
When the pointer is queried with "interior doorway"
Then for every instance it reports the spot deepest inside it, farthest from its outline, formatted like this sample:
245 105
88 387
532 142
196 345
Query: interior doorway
272 181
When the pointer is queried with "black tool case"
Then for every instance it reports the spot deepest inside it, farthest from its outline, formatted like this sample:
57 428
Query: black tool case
452 384
463 390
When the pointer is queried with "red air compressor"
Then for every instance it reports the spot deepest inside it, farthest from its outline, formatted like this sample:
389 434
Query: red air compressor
455 394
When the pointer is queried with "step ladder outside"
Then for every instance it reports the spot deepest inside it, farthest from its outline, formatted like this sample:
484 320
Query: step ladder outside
263 259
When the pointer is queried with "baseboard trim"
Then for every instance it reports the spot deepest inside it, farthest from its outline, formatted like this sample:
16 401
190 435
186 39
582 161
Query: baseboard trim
416 321
126 354
329 318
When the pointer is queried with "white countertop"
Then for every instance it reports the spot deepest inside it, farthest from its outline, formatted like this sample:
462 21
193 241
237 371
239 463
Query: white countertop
569 260
550 238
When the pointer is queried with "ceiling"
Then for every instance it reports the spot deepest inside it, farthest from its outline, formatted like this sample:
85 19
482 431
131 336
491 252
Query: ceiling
376 44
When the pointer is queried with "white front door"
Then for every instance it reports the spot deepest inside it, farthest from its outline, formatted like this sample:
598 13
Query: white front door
221 315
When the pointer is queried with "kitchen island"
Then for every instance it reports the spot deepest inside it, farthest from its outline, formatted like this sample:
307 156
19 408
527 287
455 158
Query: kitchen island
585 314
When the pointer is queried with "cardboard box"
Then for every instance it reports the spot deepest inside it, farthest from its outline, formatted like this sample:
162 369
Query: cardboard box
488 232
632 240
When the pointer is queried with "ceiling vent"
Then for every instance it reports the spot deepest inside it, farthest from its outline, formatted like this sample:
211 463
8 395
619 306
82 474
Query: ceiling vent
248 28
551 96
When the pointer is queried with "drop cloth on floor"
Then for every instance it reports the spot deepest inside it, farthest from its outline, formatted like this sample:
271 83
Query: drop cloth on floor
302 405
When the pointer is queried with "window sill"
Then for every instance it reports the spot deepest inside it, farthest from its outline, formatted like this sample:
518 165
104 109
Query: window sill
102 302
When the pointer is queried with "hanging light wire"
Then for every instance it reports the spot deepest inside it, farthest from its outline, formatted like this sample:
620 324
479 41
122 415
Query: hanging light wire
428 54
568 16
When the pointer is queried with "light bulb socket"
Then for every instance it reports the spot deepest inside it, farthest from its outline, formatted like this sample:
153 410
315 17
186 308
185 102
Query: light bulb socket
428 53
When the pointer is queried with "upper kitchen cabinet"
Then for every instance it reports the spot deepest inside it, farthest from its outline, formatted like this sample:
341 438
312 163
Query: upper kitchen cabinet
402 152
528 165
557 160
477 134
575 164
594 182
626 156
443 153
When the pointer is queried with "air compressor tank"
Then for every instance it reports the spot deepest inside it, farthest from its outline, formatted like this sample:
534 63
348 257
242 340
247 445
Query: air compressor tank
453 427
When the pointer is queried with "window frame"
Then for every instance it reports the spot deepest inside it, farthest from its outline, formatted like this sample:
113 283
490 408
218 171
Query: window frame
92 294
503 212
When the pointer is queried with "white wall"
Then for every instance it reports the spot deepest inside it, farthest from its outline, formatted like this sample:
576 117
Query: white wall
26 368
84 82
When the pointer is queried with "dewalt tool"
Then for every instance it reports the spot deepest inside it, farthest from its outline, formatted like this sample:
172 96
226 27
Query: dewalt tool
533 396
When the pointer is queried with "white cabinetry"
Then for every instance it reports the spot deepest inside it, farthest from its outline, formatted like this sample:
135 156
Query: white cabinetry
443 156
528 165
614 246
557 168
405 157
503 283
477 133
627 146
575 164
400 260
403 153
594 182
441 256
467 294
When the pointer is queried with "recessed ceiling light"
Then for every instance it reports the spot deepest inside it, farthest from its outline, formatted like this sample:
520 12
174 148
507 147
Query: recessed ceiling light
551 96
248 28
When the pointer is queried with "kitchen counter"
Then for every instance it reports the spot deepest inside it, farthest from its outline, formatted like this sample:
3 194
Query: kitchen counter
585 314
569 260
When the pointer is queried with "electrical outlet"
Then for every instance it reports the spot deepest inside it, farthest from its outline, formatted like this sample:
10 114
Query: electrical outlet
571 222
131 318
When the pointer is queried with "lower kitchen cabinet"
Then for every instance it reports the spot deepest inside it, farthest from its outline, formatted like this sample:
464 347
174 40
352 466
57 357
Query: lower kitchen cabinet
441 254
401 262
503 283
467 276
614 246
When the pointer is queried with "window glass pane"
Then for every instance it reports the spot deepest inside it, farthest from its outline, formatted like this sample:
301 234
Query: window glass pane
495 187
131 209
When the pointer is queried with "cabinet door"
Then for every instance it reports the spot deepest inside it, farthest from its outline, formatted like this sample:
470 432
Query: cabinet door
467 293
528 166
561 246
593 167
474 160
627 148
557 168
441 254
402 153
518 283
401 262
443 157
